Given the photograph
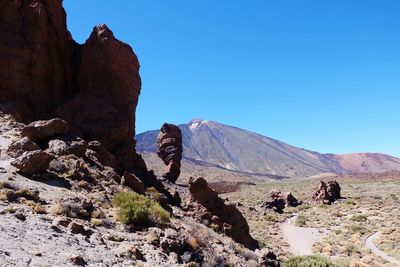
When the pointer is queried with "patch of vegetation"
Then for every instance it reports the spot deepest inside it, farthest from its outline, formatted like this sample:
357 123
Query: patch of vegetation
358 229
262 244
350 202
139 210
303 207
359 218
309 261
301 220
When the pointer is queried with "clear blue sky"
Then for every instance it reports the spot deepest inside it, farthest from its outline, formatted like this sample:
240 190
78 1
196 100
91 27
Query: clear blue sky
322 75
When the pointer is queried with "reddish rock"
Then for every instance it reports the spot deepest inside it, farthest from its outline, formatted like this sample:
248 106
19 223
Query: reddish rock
32 162
169 142
37 56
43 72
280 200
109 89
328 192
130 180
18 148
234 224
100 155
39 131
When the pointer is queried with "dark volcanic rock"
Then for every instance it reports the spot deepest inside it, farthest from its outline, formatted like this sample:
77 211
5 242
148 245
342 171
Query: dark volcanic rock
32 162
18 148
133 182
328 192
281 200
109 90
37 56
169 142
95 86
39 131
234 224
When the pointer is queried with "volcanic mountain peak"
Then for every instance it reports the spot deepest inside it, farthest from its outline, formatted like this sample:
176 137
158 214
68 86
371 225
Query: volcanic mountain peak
215 144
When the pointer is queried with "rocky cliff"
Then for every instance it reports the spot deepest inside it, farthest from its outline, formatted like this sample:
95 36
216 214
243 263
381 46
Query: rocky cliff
94 86
73 190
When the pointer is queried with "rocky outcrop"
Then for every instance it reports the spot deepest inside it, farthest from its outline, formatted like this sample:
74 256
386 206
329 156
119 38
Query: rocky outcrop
109 88
38 65
45 73
279 201
228 217
328 192
169 143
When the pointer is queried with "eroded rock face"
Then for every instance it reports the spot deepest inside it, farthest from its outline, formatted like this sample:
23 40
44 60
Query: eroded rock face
169 142
328 192
233 222
94 87
37 56
109 90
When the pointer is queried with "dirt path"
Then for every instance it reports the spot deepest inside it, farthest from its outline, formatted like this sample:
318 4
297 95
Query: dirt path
369 242
300 239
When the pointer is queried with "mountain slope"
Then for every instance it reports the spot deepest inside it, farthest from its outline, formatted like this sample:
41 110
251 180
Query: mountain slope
234 149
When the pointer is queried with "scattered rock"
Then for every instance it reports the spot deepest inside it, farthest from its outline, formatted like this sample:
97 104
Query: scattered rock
169 142
39 131
130 180
280 200
20 216
18 148
328 192
172 241
268 259
77 260
32 162
235 225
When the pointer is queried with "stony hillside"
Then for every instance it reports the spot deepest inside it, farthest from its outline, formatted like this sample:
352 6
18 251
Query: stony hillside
73 190
212 144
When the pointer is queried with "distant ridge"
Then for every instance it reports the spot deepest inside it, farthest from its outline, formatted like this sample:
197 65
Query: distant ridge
210 143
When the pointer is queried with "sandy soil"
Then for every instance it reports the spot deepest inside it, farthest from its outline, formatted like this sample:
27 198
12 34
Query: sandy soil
300 239
369 242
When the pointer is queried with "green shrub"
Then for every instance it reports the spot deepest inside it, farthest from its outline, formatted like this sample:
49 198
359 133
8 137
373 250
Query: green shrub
303 207
350 202
139 210
309 261
358 229
359 218
301 220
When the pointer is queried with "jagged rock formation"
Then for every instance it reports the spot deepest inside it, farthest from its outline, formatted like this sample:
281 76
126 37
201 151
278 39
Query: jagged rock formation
226 217
281 200
328 192
45 72
62 170
169 143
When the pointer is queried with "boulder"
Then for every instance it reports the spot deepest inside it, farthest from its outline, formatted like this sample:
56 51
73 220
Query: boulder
18 148
278 201
32 162
328 192
172 241
64 146
169 143
39 131
100 155
130 180
234 224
